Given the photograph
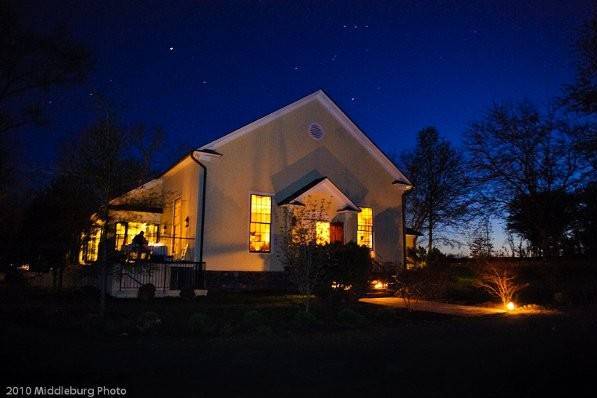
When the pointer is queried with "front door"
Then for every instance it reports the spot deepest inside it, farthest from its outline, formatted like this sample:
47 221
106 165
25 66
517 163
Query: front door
337 232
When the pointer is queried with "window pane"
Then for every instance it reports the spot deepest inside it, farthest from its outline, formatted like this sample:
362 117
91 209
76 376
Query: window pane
259 237
322 232
120 235
125 232
90 246
151 233
365 227
260 225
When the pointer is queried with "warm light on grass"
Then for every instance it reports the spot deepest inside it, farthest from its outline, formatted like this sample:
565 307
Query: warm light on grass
510 306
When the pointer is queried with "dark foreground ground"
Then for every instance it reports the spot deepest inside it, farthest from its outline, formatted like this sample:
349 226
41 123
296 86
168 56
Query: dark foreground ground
49 340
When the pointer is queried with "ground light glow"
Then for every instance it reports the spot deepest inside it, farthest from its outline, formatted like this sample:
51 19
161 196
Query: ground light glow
510 306
379 285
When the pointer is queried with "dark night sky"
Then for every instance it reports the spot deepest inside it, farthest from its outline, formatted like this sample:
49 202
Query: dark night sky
393 67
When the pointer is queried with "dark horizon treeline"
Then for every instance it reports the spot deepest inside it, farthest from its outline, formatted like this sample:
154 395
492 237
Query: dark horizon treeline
535 170
530 170
31 64
42 226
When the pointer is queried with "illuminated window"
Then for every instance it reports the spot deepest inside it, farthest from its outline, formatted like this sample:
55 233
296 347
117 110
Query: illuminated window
89 246
322 232
120 235
126 231
261 222
152 233
365 227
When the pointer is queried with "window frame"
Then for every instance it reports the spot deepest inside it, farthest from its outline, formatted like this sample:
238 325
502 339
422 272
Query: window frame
372 248
125 237
323 242
93 234
271 196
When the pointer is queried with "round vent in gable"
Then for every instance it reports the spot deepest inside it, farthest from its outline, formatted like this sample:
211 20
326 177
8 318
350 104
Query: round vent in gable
316 131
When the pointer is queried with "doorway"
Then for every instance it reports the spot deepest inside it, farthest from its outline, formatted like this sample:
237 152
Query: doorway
337 232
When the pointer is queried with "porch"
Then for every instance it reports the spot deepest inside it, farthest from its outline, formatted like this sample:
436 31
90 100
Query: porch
168 278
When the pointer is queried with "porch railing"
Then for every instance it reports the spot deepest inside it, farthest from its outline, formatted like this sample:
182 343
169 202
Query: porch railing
164 276
171 247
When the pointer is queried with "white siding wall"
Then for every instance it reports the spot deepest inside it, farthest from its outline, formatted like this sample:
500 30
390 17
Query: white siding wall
279 158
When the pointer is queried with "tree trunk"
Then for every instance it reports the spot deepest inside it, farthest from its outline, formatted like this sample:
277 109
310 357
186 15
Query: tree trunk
103 273
104 261
430 241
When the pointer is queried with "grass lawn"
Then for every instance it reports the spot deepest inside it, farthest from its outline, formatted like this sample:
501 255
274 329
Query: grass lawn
53 340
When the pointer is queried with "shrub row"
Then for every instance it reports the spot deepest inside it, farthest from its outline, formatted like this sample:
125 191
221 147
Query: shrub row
257 322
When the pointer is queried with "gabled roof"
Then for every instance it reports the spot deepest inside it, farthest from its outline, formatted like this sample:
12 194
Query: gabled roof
320 183
292 197
335 111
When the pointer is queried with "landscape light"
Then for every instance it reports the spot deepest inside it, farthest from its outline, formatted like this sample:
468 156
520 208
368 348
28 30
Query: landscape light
379 285
510 306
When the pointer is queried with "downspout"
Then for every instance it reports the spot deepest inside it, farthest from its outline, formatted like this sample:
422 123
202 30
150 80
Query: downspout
203 196
407 188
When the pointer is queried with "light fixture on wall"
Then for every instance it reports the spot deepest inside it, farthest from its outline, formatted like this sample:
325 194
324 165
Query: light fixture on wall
186 222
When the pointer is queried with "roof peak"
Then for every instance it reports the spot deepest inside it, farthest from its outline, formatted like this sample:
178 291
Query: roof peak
335 111
330 187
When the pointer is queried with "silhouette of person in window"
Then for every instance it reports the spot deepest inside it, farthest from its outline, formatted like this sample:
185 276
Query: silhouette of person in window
139 239
139 246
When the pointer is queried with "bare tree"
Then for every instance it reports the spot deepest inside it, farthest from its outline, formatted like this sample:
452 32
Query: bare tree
516 150
521 158
517 245
500 281
106 161
480 241
299 243
440 199
581 96
30 65
31 62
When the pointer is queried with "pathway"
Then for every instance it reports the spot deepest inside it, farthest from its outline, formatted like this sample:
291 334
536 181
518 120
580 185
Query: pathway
444 308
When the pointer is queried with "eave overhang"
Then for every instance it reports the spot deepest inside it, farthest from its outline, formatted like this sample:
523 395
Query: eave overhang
322 183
